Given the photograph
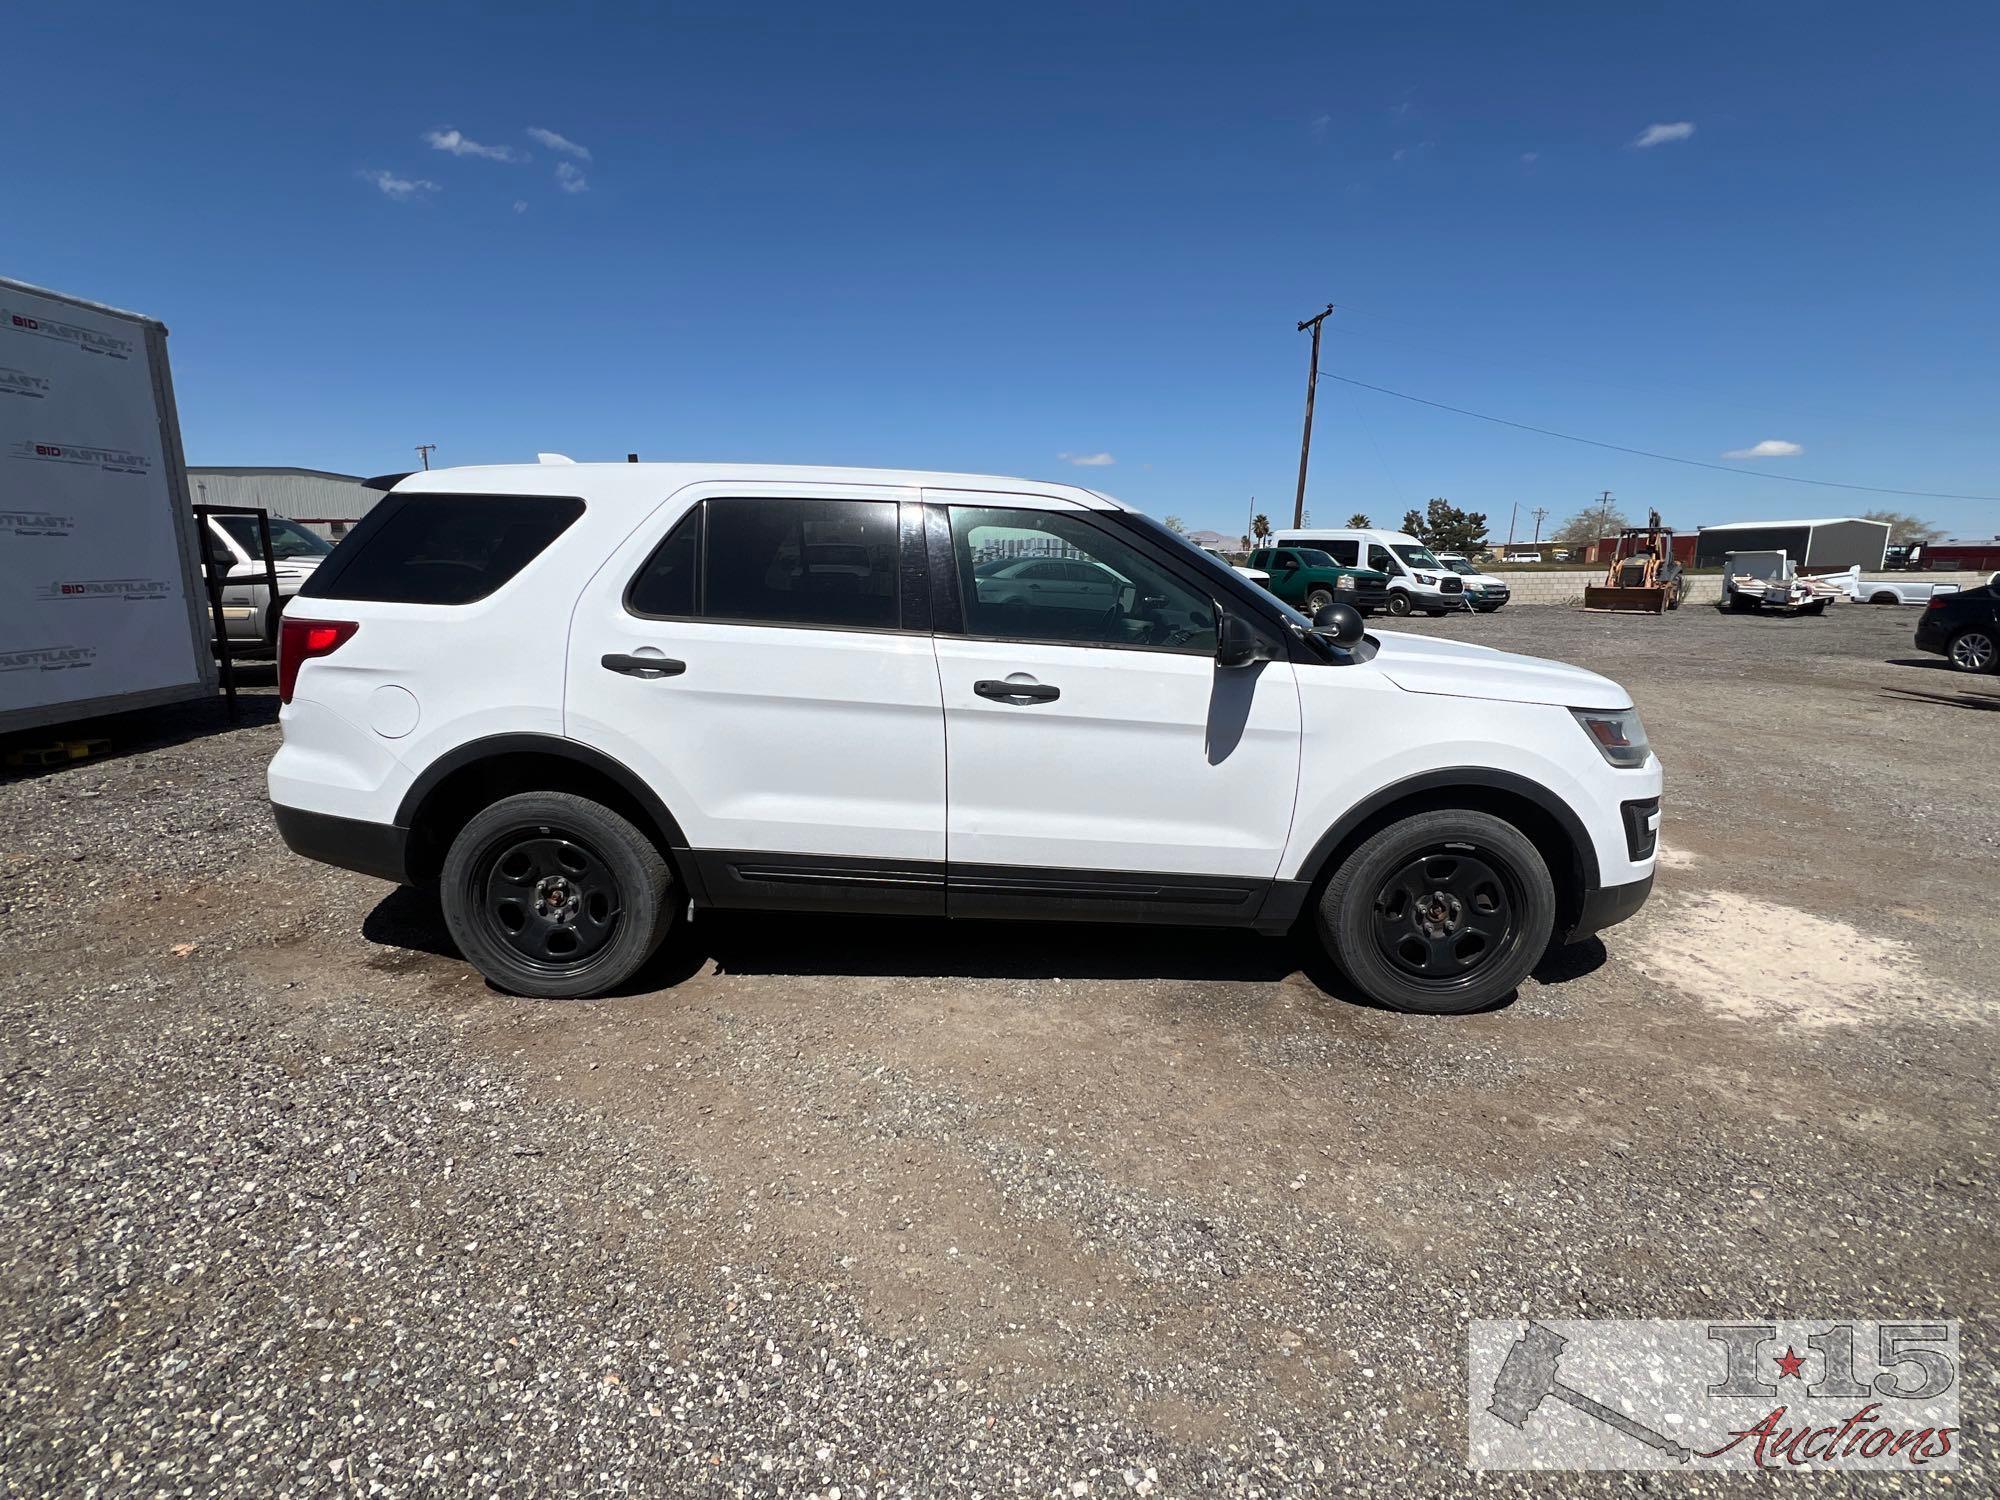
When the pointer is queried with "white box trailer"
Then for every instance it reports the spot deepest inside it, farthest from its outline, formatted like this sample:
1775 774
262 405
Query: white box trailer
102 605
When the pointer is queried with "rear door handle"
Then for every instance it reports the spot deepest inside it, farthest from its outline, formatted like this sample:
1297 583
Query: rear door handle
1016 692
643 666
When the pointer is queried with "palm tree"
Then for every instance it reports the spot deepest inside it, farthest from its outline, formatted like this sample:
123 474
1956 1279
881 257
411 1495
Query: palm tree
1359 521
1260 527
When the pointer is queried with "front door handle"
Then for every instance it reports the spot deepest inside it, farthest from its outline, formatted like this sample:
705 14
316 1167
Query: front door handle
642 666
1016 692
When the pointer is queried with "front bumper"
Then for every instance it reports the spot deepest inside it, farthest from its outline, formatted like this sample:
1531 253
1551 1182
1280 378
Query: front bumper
1607 906
378 849
1375 597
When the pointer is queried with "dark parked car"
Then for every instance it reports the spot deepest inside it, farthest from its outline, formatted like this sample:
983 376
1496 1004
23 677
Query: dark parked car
1963 628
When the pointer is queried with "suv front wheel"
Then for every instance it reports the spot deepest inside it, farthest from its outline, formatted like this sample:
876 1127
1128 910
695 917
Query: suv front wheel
555 896
1440 913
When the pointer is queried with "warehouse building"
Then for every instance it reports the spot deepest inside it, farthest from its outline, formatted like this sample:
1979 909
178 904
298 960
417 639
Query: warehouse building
1812 546
328 503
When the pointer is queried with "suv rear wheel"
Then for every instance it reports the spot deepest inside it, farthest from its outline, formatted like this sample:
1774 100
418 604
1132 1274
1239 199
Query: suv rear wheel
555 896
1441 913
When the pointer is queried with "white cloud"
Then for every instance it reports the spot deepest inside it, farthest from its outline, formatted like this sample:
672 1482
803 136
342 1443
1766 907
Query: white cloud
1322 125
570 178
560 143
402 189
1529 158
520 205
1660 135
459 144
1769 448
1088 460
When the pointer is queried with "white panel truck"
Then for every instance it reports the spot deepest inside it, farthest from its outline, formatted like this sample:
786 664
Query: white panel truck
101 593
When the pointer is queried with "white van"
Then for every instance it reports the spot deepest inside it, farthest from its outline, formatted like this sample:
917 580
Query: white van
1417 580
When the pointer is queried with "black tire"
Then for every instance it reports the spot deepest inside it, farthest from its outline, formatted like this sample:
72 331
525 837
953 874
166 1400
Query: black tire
1674 597
1399 602
1814 609
1317 599
1435 614
1493 913
1974 650
555 896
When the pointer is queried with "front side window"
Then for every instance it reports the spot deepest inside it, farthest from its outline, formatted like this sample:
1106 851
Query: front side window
801 562
1381 561
288 538
1109 594
443 549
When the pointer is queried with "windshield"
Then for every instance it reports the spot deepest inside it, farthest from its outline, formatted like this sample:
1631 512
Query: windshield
1312 557
1417 557
288 538
1209 567
1459 565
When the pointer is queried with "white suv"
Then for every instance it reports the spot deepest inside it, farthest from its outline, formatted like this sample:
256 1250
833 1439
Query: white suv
588 698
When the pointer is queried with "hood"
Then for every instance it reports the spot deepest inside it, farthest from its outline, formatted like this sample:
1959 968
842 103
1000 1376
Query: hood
1454 669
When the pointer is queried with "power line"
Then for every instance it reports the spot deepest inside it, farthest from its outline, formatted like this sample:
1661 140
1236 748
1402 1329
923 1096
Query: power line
1669 458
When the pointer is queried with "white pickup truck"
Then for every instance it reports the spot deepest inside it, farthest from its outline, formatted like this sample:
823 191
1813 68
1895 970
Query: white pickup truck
1894 590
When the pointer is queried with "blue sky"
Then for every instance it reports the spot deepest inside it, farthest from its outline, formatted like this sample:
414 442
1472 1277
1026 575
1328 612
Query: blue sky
1007 238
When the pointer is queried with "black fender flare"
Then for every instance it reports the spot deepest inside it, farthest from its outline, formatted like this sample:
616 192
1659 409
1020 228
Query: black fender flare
496 745
1483 778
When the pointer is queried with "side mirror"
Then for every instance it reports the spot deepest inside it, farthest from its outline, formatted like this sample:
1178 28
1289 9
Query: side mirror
1236 643
1341 623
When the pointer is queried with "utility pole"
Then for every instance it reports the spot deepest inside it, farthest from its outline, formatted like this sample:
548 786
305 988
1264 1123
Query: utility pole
1511 515
1539 512
424 451
1306 441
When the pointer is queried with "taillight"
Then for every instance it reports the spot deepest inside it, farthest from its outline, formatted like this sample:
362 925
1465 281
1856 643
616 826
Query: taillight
299 641
1936 601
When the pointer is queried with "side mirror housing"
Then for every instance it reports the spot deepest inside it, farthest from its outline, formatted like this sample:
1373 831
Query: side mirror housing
1341 623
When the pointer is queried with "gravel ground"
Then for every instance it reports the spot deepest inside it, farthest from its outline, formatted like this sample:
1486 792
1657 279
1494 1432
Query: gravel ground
290 1202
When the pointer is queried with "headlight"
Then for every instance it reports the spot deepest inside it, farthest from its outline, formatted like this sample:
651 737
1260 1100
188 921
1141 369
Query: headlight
1617 733
1344 581
1426 578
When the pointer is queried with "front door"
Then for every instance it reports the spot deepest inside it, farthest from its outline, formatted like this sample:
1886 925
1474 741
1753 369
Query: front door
1090 750
792 724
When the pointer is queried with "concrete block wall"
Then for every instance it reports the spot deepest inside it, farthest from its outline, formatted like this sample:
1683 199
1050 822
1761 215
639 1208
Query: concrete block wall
1702 588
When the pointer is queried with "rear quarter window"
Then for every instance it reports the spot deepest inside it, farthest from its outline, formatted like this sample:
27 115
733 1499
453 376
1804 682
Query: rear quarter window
441 549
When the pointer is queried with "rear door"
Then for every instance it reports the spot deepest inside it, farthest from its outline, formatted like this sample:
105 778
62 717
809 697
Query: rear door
1103 763
761 656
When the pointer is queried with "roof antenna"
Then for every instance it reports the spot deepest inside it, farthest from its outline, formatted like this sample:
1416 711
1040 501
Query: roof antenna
631 458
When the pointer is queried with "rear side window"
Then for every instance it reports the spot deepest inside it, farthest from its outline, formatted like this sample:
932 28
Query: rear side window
1343 553
801 562
441 549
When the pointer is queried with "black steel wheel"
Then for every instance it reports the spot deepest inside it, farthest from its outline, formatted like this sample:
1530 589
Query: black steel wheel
553 895
1445 912
1974 650
1399 602
1440 913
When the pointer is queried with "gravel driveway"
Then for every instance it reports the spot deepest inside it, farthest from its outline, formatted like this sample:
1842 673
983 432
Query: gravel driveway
290 1202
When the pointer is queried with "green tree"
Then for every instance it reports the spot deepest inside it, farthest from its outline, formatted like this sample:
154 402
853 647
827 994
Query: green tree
1260 527
1176 524
1905 530
1359 521
1443 527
